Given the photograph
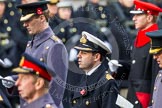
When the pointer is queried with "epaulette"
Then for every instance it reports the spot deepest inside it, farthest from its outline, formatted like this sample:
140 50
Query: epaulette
1 98
55 38
108 76
48 106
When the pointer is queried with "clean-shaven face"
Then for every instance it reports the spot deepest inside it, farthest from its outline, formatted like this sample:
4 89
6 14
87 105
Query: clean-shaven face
26 86
85 60
140 21
33 25
158 58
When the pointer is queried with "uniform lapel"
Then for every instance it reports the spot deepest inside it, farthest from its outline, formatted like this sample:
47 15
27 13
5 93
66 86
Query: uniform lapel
89 83
81 86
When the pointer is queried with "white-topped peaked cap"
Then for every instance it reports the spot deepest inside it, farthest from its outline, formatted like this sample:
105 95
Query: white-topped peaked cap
89 42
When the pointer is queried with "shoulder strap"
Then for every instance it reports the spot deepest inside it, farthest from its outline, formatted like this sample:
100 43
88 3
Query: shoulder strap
55 38
1 98
108 76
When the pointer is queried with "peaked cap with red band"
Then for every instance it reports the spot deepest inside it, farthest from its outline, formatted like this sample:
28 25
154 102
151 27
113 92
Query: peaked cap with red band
145 7
31 65
31 9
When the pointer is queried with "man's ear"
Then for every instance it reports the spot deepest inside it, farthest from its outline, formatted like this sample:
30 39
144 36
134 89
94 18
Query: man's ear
39 83
42 17
150 18
97 56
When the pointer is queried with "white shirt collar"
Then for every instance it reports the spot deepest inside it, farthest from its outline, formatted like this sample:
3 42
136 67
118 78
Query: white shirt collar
92 70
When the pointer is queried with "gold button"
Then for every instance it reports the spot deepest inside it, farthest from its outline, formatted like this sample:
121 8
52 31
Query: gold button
8 29
63 39
87 102
100 8
62 30
5 21
12 13
155 88
41 59
47 47
20 10
74 102
103 16
10 5
74 30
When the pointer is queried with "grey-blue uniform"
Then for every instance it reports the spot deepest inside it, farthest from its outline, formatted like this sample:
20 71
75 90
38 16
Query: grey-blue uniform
49 49
156 99
155 49
45 101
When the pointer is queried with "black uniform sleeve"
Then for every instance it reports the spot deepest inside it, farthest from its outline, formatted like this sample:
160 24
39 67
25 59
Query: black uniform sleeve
109 95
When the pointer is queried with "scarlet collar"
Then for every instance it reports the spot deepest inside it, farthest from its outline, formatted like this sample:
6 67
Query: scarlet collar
141 39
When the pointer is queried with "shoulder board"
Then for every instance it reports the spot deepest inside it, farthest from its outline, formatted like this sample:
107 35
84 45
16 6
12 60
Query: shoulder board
1 99
55 38
48 106
109 76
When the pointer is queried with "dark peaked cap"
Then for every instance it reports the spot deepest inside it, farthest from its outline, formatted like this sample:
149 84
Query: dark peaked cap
30 9
156 41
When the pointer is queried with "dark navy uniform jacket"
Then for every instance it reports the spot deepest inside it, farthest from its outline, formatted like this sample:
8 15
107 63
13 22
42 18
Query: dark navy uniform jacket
64 29
140 76
99 90
49 49
43 102
91 10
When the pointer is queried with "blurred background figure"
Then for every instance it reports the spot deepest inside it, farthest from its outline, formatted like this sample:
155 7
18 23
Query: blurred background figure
121 10
62 22
13 39
11 32
52 8
92 9
158 2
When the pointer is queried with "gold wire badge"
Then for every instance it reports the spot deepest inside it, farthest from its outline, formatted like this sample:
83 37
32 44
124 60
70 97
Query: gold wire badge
22 61
83 39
